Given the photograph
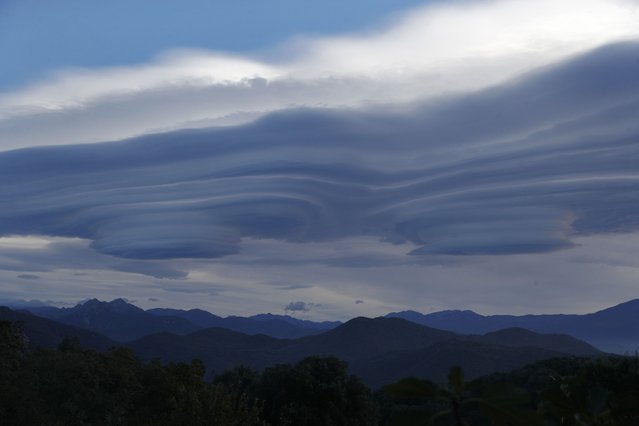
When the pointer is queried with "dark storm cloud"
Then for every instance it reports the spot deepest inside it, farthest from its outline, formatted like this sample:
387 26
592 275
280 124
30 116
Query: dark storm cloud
516 169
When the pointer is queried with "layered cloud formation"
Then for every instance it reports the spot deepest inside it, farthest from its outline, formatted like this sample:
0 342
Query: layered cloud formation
439 49
519 168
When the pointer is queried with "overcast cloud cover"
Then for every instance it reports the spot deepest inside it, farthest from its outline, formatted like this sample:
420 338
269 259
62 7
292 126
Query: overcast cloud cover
478 154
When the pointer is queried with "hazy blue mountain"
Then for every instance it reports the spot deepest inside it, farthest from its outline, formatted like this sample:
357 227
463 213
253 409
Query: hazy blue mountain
381 350
199 317
123 321
16 304
43 332
274 327
116 319
324 325
279 326
614 329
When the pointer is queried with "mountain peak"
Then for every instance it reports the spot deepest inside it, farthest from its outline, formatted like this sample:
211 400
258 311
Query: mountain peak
456 313
90 302
631 306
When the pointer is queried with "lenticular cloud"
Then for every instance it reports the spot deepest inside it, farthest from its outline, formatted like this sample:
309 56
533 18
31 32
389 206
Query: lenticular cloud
517 168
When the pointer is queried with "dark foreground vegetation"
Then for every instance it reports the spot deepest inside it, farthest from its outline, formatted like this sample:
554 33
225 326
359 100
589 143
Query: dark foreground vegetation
75 386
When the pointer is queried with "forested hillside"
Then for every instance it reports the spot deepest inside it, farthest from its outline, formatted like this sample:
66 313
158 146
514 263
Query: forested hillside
70 385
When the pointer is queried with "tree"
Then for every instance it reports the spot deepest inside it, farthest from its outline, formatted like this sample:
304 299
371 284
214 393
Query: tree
459 403
316 391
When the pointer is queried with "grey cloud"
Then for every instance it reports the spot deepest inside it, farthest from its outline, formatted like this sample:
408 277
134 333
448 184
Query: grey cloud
154 270
192 287
521 168
293 287
298 307
29 276
185 289
359 302
76 255
365 260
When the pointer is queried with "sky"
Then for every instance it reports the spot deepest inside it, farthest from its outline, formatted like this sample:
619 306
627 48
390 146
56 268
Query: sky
324 160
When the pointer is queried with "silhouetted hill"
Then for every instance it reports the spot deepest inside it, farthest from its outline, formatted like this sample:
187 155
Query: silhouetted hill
520 337
434 362
117 319
218 348
365 337
614 329
43 332
381 350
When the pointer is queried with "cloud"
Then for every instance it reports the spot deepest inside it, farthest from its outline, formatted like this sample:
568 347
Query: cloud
294 287
29 276
46 254
422 55
520 168
567 281
298 307
359 302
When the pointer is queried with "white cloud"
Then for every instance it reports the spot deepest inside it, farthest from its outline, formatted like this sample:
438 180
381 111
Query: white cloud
429 52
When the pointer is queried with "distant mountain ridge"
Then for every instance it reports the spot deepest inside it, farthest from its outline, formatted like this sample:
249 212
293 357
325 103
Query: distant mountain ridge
123 321
324 325
117 319
380 350
615 329
280 326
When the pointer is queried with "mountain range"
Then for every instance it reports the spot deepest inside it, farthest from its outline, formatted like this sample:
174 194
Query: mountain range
122 321
614 329
380 350
43 332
